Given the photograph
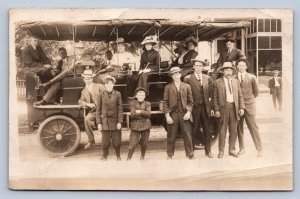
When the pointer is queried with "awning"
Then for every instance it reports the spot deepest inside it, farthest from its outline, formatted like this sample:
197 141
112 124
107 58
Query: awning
130 30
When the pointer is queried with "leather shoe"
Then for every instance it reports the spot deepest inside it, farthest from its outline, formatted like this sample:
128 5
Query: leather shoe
234 155
192 157
259 153
104 158
142 158
209 155
119 158
220 155
241 152
169 157
88 145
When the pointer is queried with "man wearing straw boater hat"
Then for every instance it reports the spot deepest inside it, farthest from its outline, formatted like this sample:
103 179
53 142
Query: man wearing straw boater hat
229 106
88 98
191 44
201 86
177 106
232 54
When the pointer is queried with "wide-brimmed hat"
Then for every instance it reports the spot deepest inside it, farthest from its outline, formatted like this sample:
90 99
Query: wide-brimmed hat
198 59
108 77
227 65
88 73
191 39
140 89
180 47
232 39
173 70
150 39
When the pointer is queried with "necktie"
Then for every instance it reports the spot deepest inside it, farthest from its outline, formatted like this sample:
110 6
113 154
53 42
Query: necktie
229 86
199 79
241 78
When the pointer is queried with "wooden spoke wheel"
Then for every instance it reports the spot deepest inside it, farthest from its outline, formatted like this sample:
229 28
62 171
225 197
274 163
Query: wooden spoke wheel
59 135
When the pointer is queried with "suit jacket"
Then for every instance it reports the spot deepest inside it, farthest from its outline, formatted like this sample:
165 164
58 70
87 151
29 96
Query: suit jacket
170 97
272 84
140 121
250 91
187 63
219 96
152 57
109 110
234 55
207 90
34 58
85 94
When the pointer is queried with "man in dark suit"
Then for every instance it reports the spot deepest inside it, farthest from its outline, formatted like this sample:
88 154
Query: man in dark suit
178 105
250 91
51 93
201 86
275 85
232 54
88 101
35 60
191 53
109 117
228 105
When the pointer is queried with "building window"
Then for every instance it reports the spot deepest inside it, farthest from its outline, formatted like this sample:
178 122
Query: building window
267 25
273 25
278 25
255 26
275 42
263 42
253 43
269 60
260 25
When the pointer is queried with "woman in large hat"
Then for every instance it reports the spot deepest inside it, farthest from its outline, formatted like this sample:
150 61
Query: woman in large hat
191 53
150 59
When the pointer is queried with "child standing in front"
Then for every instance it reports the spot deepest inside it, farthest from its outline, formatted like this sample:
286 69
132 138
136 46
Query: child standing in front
140 123
109 117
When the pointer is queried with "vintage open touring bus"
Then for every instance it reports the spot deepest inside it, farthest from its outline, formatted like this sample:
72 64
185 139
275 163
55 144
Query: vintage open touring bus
59 126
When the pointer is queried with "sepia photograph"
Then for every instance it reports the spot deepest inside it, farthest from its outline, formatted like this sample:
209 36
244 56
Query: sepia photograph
151 99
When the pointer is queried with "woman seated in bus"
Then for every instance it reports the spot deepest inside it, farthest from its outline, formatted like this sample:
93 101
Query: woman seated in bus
180 51
150 59
191 53
122 60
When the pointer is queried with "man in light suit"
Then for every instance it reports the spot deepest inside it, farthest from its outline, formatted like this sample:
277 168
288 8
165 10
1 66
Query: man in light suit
232 54
275 85
88 98
228 105
250 91
201 86
178 105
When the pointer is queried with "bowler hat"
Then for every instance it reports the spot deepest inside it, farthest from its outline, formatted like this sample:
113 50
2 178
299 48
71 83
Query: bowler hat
232 39
227 65
107 78
87 73
175 69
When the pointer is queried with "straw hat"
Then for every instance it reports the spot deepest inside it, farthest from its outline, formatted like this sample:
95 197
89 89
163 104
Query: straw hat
88 73
150 39
227 65
108 77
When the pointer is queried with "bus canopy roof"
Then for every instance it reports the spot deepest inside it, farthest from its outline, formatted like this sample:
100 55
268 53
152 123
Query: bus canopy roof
130 29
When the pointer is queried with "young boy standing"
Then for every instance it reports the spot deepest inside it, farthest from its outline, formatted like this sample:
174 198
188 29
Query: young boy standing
109 117
140 123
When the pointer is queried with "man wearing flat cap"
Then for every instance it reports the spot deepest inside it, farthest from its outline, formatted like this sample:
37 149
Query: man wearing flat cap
191 44
232 54
88 98
229 106
201 86
177 106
